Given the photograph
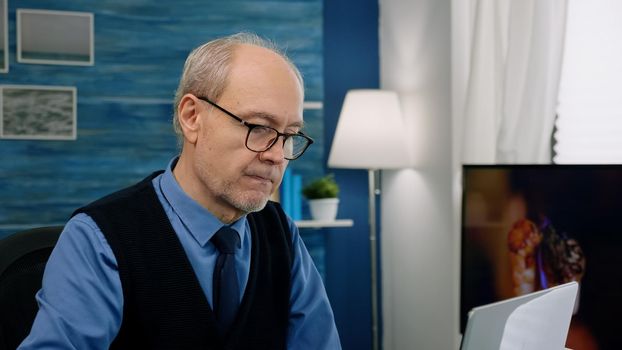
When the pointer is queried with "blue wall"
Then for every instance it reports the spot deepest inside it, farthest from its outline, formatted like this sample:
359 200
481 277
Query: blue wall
351 60
124 115
124 107
125 100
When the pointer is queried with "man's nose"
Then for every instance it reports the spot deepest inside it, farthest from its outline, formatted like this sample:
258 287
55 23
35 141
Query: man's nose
275 153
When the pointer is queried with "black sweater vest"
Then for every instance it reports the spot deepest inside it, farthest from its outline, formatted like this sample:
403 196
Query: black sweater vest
164 305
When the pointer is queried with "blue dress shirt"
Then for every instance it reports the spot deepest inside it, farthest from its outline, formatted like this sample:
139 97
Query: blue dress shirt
81 300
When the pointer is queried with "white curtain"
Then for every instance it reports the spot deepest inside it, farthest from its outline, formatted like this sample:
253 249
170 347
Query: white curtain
511 65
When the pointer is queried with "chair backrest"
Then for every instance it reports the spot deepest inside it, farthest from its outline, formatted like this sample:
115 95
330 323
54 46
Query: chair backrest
23 256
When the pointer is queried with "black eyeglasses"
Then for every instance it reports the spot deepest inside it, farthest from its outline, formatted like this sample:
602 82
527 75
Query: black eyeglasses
261 138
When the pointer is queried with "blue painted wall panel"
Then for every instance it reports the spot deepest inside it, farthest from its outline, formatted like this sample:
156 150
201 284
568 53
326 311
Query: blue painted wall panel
125 111
125 99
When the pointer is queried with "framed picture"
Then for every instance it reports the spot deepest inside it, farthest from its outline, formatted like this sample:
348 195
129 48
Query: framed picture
4 37
38 112
55 37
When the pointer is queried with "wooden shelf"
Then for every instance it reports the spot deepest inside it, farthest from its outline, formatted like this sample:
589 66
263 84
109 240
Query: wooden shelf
324 223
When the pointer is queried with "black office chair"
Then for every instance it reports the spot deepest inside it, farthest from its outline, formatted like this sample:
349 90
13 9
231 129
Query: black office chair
23 256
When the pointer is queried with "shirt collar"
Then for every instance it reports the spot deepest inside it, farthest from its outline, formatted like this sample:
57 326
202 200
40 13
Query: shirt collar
201 224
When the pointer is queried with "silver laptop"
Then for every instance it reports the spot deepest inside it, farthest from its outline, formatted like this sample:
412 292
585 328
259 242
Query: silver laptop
535 321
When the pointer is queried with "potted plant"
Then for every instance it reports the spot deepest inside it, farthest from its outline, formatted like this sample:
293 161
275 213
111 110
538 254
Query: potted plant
321 194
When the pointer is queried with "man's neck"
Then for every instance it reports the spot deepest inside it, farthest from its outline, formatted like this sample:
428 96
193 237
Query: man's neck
191 185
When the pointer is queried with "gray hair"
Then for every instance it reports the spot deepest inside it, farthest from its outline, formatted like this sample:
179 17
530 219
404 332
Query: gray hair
207 68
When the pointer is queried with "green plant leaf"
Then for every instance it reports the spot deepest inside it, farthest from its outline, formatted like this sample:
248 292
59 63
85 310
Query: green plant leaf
324 187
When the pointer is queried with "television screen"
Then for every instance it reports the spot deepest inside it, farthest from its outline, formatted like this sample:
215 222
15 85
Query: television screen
530 227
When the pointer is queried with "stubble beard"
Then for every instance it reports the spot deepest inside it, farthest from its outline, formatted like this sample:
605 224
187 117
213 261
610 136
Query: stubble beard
244 202
228 191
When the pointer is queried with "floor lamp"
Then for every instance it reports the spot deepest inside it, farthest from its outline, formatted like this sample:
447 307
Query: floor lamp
370 135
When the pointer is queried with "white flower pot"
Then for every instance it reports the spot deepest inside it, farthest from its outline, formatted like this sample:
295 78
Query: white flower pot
324 209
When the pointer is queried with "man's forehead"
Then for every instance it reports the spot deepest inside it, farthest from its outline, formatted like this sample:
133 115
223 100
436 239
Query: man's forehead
262 84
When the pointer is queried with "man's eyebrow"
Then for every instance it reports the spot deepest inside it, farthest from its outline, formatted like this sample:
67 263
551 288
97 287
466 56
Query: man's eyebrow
298 124
272 119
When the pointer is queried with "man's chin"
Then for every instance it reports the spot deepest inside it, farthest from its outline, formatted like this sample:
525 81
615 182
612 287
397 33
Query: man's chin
252 205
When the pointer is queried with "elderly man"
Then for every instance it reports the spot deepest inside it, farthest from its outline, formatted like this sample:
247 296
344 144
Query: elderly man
196 256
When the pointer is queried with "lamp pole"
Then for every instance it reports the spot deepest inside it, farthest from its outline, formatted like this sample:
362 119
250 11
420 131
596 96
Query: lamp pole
373 258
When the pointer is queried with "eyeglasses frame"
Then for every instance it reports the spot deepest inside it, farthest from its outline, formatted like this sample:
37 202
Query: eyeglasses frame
252 126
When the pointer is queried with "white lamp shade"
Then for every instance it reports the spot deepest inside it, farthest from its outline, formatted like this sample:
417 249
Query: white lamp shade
370 132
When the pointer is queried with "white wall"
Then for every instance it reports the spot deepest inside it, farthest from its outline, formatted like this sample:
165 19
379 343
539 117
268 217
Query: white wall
419 240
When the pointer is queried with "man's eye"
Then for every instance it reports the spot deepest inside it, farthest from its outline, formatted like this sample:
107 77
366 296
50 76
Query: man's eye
260 130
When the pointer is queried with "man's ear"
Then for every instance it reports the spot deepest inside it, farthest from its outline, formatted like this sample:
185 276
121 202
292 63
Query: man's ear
188 114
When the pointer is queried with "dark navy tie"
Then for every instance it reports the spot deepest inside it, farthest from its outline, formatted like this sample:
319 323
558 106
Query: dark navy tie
226 292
